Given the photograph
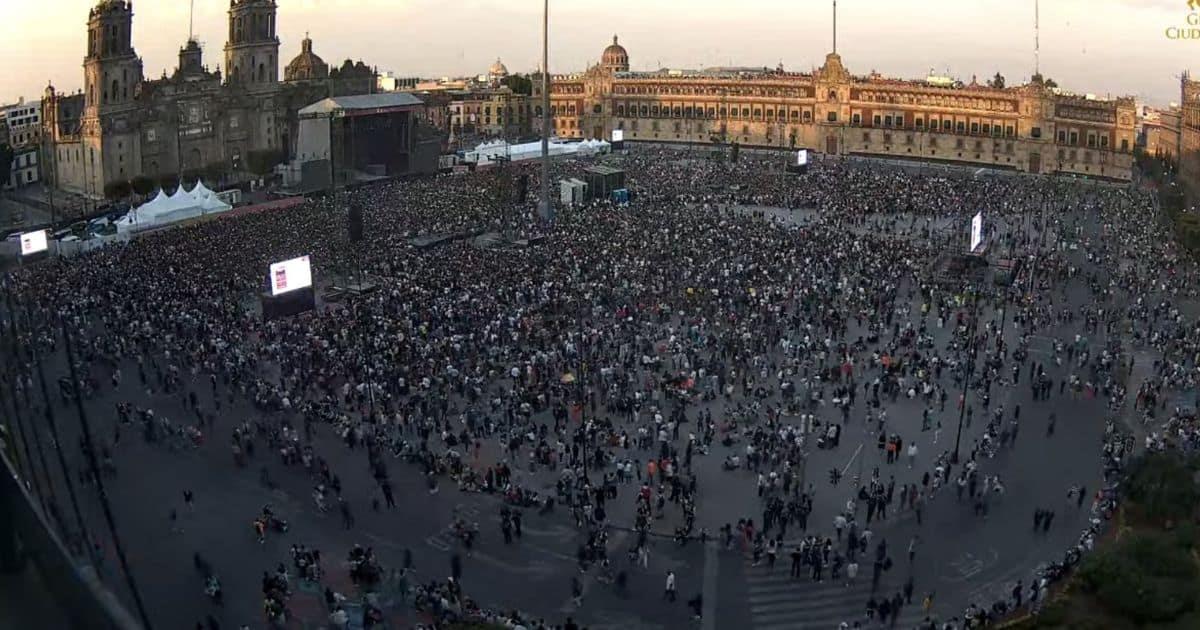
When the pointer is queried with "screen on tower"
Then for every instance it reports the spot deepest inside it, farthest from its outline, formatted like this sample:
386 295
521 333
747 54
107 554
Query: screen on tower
290 275
618 135
802 157
33 242
976 231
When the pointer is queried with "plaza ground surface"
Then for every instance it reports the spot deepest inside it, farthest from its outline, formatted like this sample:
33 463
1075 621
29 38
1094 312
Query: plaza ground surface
960 557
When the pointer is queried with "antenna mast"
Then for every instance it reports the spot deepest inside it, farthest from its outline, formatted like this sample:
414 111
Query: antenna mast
191 16
1037 40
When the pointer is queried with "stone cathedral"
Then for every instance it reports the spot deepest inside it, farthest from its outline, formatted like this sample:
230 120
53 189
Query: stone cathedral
196 120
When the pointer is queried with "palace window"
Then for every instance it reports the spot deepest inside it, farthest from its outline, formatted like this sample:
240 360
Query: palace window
856 118
678 111
947 124
654 111
974 127
807 116
770 114
961 127
1009 131
1125 145
721 112
1104 142
832 117
597 108
645 111
1091 140
745 112
877 120
757 113
795 115
987 129
620 110
712 112
1074 138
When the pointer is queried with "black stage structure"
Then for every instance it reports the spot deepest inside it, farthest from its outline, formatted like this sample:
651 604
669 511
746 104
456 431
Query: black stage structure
351 138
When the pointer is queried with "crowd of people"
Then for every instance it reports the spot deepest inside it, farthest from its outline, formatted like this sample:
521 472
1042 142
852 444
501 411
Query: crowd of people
636 338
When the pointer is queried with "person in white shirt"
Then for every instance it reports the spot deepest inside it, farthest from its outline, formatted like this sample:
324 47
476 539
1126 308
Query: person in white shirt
669 594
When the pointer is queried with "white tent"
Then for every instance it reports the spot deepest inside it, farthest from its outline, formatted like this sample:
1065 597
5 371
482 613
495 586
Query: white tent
164 209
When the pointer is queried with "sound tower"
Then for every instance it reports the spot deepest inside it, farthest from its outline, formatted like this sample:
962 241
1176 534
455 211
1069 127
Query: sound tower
355 222
522 188
733 154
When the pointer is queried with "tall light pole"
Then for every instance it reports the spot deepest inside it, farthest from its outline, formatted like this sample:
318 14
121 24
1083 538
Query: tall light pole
546 209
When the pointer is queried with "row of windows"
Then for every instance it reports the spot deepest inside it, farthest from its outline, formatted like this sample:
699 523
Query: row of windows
689 111
944 124
24 160
1093 139
487 110
738 91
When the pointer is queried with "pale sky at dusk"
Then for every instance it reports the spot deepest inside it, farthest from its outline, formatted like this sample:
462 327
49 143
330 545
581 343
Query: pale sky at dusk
1098 46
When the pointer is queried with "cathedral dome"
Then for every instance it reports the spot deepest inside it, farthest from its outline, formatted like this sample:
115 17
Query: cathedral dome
306 66
498 70
615 58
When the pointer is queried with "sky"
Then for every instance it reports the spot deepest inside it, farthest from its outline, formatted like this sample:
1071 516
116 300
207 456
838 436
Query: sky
1104 47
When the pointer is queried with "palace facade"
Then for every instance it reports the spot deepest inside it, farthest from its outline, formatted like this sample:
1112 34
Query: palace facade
226 121
1029 128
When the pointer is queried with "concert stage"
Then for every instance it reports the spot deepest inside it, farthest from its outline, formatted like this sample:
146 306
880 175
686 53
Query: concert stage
349 138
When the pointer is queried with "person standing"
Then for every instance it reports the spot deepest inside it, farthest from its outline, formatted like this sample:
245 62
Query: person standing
669 592
388 498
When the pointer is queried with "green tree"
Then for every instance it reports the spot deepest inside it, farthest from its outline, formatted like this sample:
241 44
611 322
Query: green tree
1146 577
142 185
1162 484
117 190
262 162
519 83
997 81
6 158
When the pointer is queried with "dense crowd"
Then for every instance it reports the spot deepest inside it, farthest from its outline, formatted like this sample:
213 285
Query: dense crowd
634 338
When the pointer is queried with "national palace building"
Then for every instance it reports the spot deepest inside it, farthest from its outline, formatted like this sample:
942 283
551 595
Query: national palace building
1030 128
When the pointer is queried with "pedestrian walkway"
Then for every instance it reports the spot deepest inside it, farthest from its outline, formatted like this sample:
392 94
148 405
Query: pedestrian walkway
778 601
446 539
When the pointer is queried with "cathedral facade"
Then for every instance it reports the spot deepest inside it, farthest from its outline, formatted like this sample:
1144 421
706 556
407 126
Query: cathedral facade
1029 128
221 122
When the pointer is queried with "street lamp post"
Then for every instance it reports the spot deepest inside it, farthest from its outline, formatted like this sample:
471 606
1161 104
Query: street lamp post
546 209
969 351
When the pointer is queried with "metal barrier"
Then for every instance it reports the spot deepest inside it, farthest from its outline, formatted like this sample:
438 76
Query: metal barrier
26 536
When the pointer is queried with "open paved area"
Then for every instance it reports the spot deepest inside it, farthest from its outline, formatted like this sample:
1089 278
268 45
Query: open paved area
725 339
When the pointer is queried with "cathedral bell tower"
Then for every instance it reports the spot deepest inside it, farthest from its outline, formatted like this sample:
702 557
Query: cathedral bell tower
252 52
112 70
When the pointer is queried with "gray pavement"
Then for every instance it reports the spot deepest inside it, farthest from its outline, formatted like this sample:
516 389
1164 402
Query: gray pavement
961 558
